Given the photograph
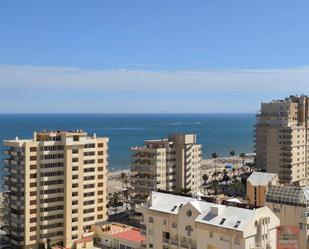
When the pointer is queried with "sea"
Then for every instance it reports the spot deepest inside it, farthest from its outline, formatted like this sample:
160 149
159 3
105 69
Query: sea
218 133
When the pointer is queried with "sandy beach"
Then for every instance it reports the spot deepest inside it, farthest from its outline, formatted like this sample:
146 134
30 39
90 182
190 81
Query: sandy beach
208 167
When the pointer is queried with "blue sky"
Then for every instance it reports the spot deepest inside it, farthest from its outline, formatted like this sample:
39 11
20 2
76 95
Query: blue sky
151 56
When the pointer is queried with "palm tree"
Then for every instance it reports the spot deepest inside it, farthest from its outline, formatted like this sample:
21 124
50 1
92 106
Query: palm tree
233 171
214 182
225 178
215 156
185 190
205 179
243 156
232 153
115 200
126 196
123 177
235 183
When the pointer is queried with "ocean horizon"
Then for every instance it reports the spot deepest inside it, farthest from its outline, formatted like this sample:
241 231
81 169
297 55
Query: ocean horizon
217 132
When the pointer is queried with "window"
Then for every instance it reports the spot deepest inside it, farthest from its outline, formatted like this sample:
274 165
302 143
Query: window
222 221
237 241
100 145
237 224
32 220
33 202
189 213
32 158
33 237
88 218
174 225
225 238
32 149
150 220
174 208
189 230
88 202
211 234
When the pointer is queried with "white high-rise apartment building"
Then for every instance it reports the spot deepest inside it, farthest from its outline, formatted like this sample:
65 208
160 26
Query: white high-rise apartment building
282 139
171 221
171 164
55 188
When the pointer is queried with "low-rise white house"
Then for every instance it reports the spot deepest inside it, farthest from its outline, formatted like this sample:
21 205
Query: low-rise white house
173 221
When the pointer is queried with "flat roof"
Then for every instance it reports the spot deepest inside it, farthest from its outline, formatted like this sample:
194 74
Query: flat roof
131 235
261 178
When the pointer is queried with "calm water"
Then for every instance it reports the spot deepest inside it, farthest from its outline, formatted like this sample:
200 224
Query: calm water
216 132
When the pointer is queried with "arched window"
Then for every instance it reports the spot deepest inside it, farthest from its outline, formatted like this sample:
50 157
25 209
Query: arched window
189 230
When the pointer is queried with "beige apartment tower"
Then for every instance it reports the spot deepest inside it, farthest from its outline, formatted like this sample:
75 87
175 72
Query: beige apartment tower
55 188
282 139
171 164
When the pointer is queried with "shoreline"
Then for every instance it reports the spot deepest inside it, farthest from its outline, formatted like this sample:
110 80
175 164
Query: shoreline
208 166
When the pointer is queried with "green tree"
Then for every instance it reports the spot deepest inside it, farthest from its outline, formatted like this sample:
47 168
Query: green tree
126 196
225 177
215 156
184 191
123 176
205 179
115 199
243 157
232 153
235 183
214 182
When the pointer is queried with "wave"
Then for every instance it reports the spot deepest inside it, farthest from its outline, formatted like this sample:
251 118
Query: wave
126 128
173 123
177 123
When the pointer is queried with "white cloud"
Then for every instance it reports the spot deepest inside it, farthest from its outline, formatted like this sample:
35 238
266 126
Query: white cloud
290 79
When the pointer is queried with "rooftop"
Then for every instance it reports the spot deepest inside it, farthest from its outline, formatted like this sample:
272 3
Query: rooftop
210 213
261 178
131 235
288 195
121 231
